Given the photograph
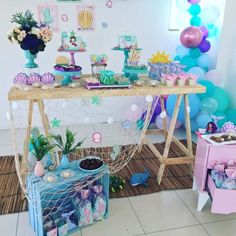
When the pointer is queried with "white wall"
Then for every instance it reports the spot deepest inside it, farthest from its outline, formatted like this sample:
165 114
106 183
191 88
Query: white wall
148 19
227 51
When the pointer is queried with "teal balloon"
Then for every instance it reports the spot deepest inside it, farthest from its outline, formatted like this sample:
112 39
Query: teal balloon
202 119
195 52
208 105
193 124
205 61
195 9
210 89
212 30
220 123
195 21
194 103
177 58
222 98
198 71
231 115
189 62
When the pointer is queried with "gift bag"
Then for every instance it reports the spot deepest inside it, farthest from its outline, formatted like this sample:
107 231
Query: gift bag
99 206
66 212
85 209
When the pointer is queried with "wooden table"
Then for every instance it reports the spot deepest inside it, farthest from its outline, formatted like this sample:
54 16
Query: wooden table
36 96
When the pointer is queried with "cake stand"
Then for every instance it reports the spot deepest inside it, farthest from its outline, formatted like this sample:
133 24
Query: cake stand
72 54
132 74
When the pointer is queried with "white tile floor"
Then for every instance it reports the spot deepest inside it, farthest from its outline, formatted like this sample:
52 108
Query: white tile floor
170 213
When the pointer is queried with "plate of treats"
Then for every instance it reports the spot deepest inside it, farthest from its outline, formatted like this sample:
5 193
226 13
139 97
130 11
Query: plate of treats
220 138
91 164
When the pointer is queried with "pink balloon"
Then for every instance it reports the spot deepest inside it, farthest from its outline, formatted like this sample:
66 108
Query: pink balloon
214 76
191 37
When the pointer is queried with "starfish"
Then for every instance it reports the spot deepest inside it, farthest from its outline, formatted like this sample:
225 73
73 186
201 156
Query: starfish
96 100
55 122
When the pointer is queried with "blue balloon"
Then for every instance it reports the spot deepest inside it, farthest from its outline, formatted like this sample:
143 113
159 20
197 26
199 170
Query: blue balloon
194 103
182 51
198 71
205 61
213 30
193 124
202 119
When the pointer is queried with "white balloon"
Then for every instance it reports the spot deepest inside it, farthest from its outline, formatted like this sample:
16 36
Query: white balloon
134 107
163 114
149 98
14 106
110 120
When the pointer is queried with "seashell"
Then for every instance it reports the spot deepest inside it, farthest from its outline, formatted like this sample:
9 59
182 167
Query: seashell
20 78
74 85
47 86
37 85
56 85
47 78
228 127
86 19
26 88
33 78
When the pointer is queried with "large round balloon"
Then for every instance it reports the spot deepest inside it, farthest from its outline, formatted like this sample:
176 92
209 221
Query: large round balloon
194 1
231 115
193 124
204 46
222 98
202 119
195 21
182 51
189 62
194 9
209 105
210 89
214 76
210 15
204 31
157 110
191 37
222 121
159 122
198 71
195 52
213 30
205 61
194 104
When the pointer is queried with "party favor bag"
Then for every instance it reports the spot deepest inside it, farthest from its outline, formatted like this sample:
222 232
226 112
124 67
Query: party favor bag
99 206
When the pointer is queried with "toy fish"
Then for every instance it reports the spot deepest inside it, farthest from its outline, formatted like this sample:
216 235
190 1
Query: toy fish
139 178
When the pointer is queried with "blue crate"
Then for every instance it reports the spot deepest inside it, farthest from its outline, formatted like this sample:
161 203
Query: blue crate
41 193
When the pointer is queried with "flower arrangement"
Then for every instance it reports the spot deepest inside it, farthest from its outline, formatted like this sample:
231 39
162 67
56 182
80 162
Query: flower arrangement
28 33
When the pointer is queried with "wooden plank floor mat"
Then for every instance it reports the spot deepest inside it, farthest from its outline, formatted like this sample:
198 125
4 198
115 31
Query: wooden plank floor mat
175 177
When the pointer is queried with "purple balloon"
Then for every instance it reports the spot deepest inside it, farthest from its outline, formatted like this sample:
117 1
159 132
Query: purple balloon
204 46
204 30
194 1
191 37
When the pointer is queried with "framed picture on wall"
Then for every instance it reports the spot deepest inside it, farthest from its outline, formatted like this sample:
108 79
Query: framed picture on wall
86 17
48 15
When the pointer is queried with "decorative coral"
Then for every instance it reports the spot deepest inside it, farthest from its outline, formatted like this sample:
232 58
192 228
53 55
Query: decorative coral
134 57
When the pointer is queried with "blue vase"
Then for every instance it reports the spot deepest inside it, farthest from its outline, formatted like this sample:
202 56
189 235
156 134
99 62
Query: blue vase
65 163
30 57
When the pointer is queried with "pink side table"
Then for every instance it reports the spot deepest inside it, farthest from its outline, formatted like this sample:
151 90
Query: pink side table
223 200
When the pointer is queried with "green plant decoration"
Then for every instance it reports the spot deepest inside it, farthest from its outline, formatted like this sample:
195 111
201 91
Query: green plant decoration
67 146
41 146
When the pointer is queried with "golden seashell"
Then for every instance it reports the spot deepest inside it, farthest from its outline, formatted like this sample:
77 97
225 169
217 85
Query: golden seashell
85 19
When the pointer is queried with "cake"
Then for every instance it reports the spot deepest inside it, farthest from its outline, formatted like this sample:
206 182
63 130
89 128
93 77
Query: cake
71 42
127 41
